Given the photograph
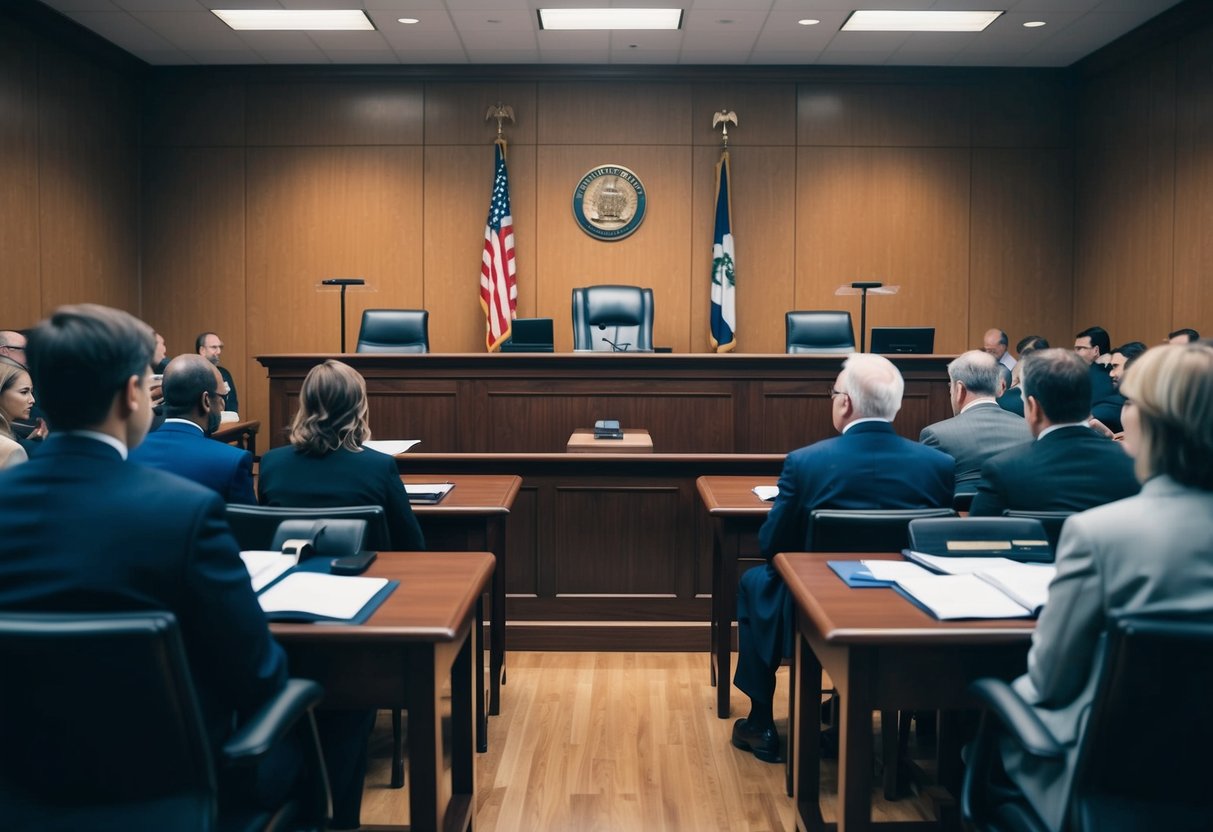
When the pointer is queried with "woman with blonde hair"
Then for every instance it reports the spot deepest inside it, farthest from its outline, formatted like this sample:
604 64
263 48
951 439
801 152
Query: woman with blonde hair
1150 553
326 463
16 401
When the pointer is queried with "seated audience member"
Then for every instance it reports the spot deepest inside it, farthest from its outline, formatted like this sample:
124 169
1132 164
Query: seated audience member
12 351
1069 467
1095 348
1179 336
980 428
326 465
192 404
868 467
1011 399
1144 554
12 346
160 356
995 343
85 530
1122 358
15 397
210 347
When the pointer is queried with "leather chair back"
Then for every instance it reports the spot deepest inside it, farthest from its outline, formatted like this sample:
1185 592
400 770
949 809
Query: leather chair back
1017 538
613 318
865 530
394 330
819 332
256 527
1051 520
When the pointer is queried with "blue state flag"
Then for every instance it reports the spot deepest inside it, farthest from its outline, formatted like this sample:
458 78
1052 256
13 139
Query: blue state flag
724 304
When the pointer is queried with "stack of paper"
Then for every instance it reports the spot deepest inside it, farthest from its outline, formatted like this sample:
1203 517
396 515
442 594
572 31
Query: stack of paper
427 492
766 493
322 596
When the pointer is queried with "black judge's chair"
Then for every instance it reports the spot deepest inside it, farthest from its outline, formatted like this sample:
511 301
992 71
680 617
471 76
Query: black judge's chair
394 330
613 319
819 332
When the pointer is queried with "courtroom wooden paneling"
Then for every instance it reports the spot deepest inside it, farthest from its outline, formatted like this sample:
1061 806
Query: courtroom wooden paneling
316 213
882 115
193 201
191 107
454 113
766 114
1021 270
613 114
19 265
895 215
342 113
1193 290
1023 109
88 184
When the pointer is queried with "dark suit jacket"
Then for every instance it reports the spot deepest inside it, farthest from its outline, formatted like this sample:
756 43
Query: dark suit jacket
184 450
341 478
1012 401
1071 469
231 401
85 531
1106 402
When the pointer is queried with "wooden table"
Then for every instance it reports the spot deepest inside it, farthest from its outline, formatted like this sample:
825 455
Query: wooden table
634 441
472 517
882 653
418 640
241 434
736 514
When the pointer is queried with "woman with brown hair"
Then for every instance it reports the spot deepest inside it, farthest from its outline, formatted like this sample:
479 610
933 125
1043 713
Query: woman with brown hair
326 464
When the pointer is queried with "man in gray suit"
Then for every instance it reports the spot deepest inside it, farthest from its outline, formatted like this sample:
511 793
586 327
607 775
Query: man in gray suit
980 429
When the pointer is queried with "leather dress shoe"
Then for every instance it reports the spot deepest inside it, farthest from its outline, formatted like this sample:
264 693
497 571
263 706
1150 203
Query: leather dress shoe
763 742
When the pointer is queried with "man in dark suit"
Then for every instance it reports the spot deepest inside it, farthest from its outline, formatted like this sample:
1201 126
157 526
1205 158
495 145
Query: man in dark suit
86 531
980 428
1069 467
1094 346
868 466
210 347
192 407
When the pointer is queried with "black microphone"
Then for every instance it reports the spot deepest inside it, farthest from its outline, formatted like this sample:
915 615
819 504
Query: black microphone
616 347
343 281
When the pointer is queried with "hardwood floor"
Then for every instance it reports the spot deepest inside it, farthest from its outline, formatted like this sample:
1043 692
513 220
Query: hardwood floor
616 742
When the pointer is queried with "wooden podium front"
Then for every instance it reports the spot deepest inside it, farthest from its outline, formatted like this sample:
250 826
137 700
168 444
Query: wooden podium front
634 441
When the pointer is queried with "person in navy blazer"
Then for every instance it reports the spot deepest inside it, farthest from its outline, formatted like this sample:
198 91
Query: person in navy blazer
869 466
193 404
84 530
326 465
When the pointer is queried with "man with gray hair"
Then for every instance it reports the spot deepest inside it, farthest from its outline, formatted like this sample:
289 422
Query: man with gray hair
868 467
979 428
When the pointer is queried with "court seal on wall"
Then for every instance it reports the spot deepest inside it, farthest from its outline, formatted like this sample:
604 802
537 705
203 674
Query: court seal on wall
609 202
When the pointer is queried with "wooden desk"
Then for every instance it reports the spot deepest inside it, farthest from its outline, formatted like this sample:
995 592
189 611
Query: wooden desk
736 514
421 638
882 653
472 517
241 434
634 441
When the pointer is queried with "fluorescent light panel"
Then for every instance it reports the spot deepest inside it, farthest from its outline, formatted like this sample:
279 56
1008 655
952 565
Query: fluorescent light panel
610 18
874 20
295 19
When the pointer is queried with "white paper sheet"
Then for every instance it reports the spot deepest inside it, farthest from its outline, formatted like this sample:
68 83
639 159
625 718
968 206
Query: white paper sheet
331 596
391 447
263 567
894 570
961 596
959 566
1027 584
766 493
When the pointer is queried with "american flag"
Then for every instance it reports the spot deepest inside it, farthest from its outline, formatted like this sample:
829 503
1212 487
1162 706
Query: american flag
498 288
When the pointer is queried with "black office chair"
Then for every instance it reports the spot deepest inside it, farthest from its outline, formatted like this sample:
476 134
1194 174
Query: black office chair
1051 520
100 729
256 527
394 330
819 332
1017 538
1128 776
963 500
613 319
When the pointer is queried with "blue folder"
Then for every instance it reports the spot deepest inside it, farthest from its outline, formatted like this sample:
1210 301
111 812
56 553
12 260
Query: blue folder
855 575
321 564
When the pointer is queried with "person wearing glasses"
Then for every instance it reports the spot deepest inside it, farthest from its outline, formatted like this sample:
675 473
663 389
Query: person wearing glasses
1094 347
193 404
210 346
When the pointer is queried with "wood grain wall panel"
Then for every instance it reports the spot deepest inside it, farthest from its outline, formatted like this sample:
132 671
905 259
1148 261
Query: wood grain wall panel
194 108
347 112
88 137
19 251
766 114
458 185
764 227
1193 290
193 251
612 114
882 115
424 411
1023 110
315 213
522 533
455 113
794 414
896 215
657 255
1126 201
1022 244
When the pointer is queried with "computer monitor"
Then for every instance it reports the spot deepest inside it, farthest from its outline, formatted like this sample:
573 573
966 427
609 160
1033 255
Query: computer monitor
903 340
529 335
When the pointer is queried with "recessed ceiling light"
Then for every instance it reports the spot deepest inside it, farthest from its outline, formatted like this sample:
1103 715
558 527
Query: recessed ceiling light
808 21
610 18
873 20
295 19
408 21
1034 24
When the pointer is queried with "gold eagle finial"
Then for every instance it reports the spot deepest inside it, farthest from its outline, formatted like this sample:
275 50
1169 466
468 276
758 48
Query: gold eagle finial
501 112
724 117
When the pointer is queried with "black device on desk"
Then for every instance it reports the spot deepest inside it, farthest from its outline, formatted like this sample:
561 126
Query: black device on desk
529 335
607 429
903 340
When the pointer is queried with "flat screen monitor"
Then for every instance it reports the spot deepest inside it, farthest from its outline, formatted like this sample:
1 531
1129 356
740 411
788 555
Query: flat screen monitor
903 340
529 335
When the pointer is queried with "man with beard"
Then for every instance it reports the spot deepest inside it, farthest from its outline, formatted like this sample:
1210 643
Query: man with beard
193 402
210 347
